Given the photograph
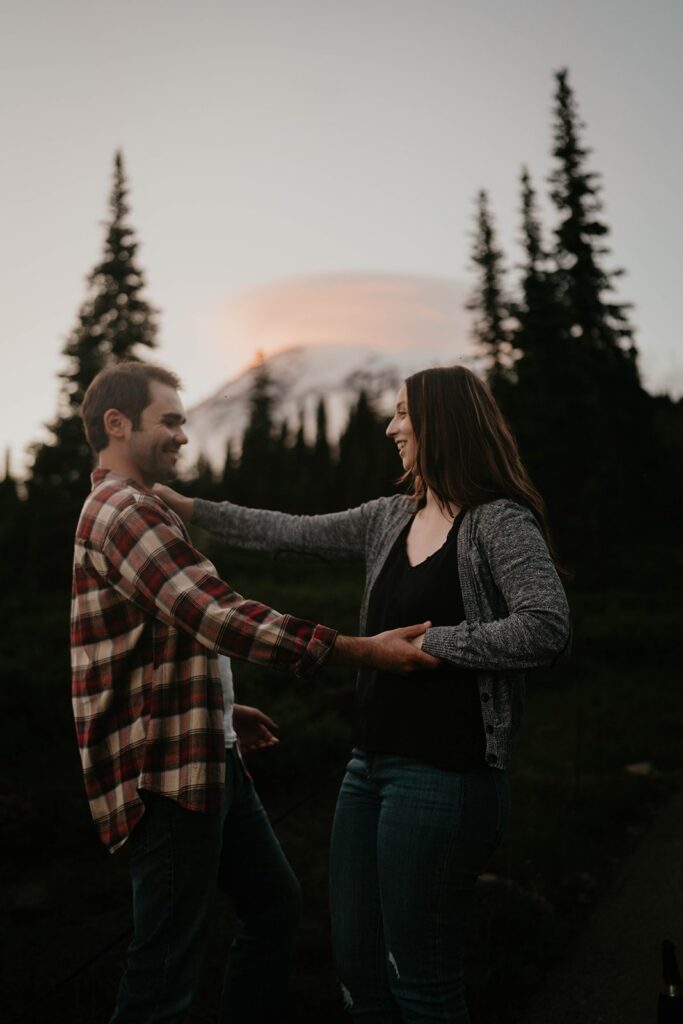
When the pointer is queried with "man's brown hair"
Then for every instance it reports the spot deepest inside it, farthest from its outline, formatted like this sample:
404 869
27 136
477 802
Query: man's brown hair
125 387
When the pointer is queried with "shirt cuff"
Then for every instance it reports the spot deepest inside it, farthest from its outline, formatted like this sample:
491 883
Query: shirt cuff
317 650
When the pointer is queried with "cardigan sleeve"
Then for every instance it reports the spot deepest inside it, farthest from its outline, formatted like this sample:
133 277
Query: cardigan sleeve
335 536
536 628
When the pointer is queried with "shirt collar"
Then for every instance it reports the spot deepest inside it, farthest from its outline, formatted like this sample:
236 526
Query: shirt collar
102 473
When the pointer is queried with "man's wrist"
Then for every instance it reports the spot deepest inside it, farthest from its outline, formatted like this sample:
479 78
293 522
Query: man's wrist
353 651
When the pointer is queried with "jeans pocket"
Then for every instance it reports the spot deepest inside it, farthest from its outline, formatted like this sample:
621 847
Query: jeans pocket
138 840
153 827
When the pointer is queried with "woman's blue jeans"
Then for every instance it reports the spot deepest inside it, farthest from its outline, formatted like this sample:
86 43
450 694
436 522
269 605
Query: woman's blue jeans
408 842
177 859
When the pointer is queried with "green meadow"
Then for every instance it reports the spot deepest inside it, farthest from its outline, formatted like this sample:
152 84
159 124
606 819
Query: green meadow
599 752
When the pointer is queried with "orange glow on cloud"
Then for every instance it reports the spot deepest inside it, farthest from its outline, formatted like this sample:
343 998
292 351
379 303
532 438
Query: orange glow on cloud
388 312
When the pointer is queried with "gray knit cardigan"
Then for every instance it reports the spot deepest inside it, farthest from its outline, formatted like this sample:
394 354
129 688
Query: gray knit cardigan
516 610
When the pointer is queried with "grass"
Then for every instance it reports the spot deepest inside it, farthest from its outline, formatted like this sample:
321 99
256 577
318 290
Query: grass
577 810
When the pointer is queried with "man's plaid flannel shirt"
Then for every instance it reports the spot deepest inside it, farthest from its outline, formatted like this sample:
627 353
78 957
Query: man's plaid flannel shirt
148 617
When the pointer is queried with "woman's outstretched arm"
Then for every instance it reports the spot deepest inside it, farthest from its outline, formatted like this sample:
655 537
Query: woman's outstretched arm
336 535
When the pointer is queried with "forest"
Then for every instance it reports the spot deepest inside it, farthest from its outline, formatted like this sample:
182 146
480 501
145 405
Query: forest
600 746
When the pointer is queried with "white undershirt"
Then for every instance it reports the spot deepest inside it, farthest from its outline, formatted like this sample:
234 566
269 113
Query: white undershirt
225 670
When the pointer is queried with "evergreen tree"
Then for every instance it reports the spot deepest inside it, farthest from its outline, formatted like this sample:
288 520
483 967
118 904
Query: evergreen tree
228 480
596 322
257 466
115 320
321 462
12 534
489 302
301 451
612 419
280 468
367 462
9 494
666 491
113 323
581 418
540 332
299 471
202 483
542 404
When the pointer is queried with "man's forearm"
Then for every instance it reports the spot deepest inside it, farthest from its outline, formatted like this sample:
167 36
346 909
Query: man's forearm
394 650
354 652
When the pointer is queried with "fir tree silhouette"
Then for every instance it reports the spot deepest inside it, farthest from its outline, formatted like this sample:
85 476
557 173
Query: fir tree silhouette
367 462
542 404
113 324
597 322
491 327
257 473
115 321
610 417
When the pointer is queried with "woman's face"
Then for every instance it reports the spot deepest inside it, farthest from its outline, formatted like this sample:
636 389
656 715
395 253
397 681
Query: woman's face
401 432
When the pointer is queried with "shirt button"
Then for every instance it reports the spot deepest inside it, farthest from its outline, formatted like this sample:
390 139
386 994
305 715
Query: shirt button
489 728
485 697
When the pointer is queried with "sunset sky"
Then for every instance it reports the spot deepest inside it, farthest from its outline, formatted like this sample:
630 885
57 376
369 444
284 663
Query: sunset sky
318 142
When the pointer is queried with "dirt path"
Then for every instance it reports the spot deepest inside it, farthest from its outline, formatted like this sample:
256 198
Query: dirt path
612 974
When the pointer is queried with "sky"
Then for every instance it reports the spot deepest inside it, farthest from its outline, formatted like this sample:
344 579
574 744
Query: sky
278 143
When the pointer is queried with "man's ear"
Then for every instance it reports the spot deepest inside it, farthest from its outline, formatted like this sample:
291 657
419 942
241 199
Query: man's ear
116 425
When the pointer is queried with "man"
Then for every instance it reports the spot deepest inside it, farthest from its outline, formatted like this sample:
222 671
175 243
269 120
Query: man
150 620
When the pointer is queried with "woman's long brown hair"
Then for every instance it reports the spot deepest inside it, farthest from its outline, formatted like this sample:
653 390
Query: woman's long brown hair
465 452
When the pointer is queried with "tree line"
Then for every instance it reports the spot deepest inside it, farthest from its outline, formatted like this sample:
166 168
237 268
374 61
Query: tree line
562 361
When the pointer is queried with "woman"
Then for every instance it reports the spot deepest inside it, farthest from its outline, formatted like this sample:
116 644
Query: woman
425 797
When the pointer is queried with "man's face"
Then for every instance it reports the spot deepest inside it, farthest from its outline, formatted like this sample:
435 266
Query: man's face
154 447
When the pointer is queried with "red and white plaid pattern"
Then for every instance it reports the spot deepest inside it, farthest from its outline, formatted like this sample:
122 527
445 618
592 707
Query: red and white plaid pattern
148 617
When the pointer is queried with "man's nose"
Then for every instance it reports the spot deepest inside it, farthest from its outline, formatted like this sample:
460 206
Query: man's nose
181 437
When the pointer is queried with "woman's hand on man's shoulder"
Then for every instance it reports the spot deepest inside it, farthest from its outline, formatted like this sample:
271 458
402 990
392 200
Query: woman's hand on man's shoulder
181 505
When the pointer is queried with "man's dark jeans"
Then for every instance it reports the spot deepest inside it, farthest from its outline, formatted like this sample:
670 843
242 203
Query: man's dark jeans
177 859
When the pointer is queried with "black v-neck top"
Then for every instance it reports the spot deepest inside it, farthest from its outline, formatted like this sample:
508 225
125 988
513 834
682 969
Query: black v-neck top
433 715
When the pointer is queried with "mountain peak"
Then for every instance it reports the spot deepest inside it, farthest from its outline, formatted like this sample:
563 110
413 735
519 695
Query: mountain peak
300 376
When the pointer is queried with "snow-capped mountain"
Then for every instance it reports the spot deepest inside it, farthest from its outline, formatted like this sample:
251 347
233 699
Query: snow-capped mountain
299 377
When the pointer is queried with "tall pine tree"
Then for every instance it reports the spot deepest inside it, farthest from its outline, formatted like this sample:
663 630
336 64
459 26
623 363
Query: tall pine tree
299 470
611 411
113 324
577 407
598 322
542 403
256 478
539 333
12 524
491 327
321 462
115 321
367 465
